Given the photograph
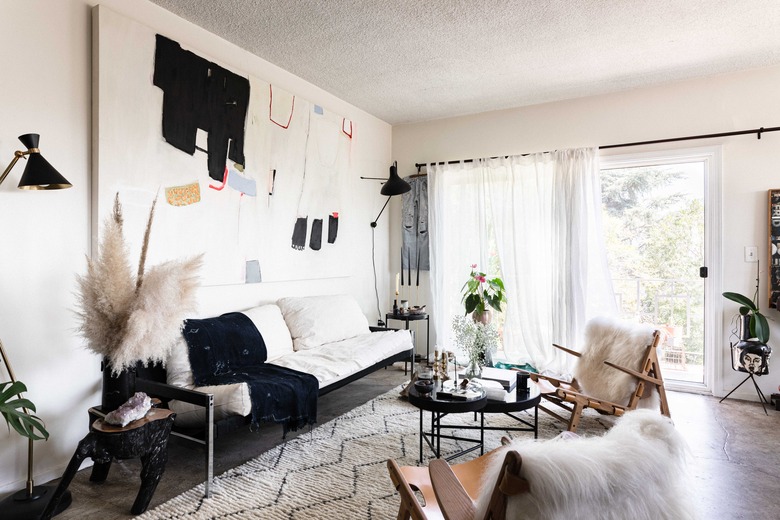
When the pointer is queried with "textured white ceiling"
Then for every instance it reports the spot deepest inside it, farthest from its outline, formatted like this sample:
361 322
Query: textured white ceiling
414 60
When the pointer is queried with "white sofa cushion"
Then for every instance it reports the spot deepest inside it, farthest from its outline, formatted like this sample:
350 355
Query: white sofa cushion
335 361
269 321
317 320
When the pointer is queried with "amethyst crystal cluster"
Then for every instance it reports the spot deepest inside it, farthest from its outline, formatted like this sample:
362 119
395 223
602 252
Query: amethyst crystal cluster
135 408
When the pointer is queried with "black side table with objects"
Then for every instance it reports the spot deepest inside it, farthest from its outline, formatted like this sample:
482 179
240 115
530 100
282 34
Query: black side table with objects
440 405
146 438
411 316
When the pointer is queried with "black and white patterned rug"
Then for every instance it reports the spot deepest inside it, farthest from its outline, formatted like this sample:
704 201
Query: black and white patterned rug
339 470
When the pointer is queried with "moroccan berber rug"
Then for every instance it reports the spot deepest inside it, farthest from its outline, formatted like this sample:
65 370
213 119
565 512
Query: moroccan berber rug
339 471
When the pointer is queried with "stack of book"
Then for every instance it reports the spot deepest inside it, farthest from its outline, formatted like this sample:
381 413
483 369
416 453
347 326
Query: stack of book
507 378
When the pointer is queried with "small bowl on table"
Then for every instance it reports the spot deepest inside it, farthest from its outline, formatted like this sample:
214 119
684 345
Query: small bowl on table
424 387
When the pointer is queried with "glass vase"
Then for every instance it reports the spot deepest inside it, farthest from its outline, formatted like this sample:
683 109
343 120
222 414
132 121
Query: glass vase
473 370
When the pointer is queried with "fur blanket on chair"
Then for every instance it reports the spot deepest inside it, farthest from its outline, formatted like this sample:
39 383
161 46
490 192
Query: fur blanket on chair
622 343
636 470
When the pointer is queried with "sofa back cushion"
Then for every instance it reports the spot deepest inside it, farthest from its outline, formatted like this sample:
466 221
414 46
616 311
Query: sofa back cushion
269 321
317 320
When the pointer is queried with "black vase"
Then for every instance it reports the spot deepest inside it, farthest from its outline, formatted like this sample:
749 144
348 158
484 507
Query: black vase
116 388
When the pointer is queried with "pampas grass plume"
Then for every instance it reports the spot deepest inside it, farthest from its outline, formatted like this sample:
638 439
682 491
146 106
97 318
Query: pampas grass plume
154 324
106 291
129 320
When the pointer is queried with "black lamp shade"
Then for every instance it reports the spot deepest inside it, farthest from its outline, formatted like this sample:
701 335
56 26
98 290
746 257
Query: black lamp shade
38 173
395 185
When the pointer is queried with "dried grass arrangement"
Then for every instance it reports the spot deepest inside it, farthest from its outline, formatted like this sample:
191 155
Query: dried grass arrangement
129 320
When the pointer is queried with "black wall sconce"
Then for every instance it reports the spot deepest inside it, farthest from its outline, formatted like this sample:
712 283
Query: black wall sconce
394 185
38 174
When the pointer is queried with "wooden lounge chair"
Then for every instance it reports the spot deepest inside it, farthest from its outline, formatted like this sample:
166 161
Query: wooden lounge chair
450 492
639 373
635 470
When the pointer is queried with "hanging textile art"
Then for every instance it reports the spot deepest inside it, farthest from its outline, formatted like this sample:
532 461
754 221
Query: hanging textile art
414 230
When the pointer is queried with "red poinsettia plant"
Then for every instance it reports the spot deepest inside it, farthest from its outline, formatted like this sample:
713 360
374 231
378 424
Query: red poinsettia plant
480 292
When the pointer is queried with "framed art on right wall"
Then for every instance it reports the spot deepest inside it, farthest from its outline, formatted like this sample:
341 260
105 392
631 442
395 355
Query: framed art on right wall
774 248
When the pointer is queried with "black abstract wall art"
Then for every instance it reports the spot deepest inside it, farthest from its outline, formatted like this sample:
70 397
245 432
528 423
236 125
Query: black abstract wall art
201 94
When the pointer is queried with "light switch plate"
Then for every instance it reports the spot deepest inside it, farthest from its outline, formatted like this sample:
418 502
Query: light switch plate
751 254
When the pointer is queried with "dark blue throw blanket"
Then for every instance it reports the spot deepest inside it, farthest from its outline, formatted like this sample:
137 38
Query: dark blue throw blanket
230 349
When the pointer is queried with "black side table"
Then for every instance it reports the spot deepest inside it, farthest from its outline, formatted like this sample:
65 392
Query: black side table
440 407
406 318
146 438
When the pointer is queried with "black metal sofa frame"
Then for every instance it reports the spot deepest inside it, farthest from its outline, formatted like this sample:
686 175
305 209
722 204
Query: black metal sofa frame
152 381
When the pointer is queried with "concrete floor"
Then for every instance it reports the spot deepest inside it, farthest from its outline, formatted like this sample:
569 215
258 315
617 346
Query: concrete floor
734 464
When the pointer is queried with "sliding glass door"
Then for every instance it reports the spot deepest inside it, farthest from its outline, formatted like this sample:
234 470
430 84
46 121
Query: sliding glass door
655 218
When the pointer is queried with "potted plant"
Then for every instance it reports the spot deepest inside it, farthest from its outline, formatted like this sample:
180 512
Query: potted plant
752 323
480 294
757 322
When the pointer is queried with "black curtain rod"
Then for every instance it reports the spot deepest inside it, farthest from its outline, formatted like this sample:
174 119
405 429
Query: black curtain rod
757 131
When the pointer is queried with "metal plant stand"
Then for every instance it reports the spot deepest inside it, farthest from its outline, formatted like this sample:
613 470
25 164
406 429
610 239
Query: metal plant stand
761 396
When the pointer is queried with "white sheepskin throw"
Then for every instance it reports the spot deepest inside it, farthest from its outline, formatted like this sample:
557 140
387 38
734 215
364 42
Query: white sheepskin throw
620 342
636 470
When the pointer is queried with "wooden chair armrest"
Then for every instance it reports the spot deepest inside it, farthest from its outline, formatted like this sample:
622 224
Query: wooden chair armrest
453 500
568 351
552 380
634 373
572 396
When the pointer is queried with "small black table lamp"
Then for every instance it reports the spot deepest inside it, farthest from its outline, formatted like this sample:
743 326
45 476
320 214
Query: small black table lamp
38 175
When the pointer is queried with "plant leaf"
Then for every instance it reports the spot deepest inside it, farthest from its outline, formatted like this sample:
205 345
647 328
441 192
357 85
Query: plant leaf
742 300
497 282
472 300
760 327
12 408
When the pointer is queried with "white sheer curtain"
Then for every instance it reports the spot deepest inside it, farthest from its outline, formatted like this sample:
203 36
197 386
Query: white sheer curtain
458 238
544 213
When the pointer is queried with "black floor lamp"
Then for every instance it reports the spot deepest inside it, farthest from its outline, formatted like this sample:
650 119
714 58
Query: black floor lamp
394 185
38 175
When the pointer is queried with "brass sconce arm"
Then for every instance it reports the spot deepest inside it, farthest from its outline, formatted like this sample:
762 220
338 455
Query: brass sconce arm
18 154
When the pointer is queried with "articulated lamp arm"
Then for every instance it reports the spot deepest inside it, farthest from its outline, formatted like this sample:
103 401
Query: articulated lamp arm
373 224
18 154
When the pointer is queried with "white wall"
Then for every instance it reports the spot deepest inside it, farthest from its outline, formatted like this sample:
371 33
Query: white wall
710 105
46 87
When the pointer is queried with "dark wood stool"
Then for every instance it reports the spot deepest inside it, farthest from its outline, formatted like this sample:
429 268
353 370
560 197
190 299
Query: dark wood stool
146 438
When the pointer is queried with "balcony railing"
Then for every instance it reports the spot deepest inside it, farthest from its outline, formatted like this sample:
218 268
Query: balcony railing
675 304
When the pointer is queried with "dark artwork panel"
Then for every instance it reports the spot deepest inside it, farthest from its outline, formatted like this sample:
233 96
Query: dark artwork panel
315 242
201 94
333 228
299 233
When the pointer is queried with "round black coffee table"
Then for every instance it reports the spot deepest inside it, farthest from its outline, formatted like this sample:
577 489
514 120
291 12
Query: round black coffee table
441 406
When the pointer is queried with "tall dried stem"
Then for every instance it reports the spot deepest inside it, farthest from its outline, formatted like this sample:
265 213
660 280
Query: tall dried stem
144 248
